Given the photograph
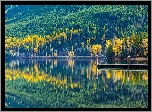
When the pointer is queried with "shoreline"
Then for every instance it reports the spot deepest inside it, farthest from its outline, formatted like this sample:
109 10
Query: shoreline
54 57
76 57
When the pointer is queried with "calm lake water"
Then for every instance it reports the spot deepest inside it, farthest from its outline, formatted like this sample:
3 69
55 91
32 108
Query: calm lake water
73 84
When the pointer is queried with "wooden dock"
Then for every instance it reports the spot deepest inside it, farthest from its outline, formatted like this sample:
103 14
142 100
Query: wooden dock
123 66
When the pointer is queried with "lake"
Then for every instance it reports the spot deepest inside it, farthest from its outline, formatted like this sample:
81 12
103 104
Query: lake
73 84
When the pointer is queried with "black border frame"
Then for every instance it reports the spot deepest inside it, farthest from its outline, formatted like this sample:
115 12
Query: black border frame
3 3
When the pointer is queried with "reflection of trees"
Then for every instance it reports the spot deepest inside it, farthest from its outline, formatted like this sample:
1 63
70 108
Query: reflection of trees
94 68
70 63
44 67
111 85
133 77
109 91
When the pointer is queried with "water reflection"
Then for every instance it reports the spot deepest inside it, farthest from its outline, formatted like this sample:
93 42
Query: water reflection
61 76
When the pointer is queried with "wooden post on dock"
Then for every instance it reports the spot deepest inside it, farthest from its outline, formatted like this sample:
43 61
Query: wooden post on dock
96 59
128 60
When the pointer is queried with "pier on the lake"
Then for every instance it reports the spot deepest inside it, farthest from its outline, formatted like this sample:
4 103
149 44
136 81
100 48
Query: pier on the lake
122 66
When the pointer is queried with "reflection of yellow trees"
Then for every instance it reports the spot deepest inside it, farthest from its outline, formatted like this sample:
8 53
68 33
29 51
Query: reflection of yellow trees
57 82
108 74
94 68
36 69
36 75
145 75
73 85
135 77
117 74
60 83
94 86
28 77
8 76
71 63
82 70
55 62
87 73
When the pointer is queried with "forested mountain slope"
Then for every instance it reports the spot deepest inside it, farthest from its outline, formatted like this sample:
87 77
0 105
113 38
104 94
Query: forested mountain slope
84 29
